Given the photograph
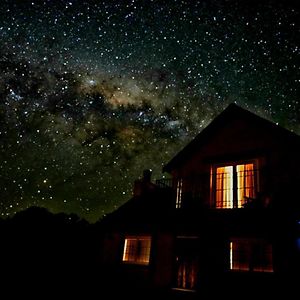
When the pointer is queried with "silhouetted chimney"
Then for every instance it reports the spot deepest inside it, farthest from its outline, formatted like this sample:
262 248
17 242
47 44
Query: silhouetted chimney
144 184
147 175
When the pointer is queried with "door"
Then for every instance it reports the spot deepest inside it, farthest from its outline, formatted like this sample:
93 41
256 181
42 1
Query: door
186 263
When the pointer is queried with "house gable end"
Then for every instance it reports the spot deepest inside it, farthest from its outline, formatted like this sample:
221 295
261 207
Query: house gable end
234 131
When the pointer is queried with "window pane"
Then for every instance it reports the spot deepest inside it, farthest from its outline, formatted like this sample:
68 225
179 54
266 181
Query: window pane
251 255
239 255
262 257
143 251
224 187
130 248
245 183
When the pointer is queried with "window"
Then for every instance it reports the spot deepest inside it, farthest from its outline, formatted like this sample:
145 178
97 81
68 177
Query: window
232 184
137 250
251 255
224 187
179 193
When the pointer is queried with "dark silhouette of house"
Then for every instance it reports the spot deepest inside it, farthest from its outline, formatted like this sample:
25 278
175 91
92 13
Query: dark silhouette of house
225 222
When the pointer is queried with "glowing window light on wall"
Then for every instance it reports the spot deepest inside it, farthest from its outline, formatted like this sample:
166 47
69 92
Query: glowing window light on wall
232 185
137 250
179 193
250 255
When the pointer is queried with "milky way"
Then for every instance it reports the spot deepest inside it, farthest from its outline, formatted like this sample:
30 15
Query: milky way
93 92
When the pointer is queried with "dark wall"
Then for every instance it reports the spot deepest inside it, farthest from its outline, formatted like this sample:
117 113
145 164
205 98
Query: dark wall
163 255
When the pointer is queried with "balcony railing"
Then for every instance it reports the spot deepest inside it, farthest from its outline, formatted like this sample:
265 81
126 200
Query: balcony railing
188 191
218 190
165 183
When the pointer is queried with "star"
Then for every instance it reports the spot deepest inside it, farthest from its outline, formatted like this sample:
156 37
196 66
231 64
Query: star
92 93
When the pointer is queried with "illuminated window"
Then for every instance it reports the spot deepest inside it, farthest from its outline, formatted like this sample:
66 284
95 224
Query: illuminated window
137 250
251 255
245 183
224 187
179 193
232 185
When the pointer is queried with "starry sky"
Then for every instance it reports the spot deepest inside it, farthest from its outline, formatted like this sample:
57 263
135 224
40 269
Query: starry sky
94 92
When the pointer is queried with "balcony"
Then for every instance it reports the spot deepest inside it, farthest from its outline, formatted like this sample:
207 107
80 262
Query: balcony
219 190
187 192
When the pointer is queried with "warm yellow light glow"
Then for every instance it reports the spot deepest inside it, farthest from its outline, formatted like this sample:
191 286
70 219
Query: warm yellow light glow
233 184
251 255
179 193
231 256
224 187
125 253
137 250
245 183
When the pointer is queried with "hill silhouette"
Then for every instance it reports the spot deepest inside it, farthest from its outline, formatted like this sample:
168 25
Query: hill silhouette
53 252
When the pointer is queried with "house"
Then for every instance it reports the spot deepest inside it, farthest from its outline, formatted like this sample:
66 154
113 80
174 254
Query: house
226 221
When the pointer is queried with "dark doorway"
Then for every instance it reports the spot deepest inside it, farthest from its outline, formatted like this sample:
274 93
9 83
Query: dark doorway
186 263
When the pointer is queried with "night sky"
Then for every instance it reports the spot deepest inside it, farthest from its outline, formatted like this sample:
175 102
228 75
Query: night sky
94 92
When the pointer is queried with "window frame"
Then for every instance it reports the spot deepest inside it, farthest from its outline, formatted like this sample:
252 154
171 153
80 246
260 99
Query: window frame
179 192
234 164
136 258
252 256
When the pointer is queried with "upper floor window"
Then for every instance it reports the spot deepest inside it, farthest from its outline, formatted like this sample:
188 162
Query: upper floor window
251 255
232 184
137 250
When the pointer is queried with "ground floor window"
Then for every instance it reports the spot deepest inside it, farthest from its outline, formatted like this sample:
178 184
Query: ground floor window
137 250
251 255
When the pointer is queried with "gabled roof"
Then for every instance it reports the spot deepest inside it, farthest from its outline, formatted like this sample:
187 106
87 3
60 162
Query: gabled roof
233 111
